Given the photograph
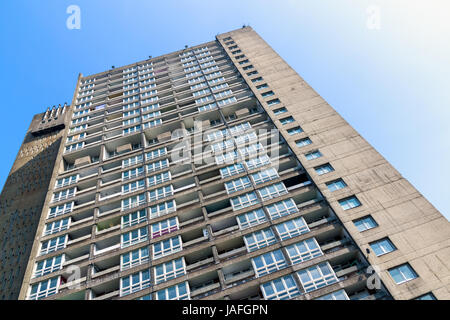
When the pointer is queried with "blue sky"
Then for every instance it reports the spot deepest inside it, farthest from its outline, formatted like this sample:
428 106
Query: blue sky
391 84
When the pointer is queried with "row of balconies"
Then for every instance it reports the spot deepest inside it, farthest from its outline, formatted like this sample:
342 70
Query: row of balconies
169 115
177 169
81 237
116 83
156 64
152 137
204 279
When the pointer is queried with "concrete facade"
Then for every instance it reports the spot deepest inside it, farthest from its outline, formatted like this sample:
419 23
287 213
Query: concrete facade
23 195
121 193
420 233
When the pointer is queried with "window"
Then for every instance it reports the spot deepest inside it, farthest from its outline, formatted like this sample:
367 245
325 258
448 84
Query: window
349 203
267 94
252 149
226 101
237 184
156 153
199 86
163 227
169 270
56 226
207 64
259 79
292 228
279 111
54 244
151 115
336 185
78 128
48 266
133 237
365 223
131 121
162 209
158 165
161 193
259 239
287 120
159 178
207 107
232 170
303 251
167 247
313 155
133 202
201 92
217 135
176 292
402 273
317 276
74 147
382 246
272 191
239 128
280 289
246 138
134 282
44 289
244 201
268 263
282 208
257 162
134 258
63 182
264 176
76 137
427 296
194 80
250 219
226 157
262 86
303 142
132 161
86 118
133 173
131 129
213 74
222 145
150 107
152 123
273 102
338 295
134 218
133 186
325 168
217 80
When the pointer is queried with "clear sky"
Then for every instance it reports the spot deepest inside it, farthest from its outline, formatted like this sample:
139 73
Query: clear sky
383 65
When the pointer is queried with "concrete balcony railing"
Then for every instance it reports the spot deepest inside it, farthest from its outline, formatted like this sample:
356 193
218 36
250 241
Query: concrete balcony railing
239 278
233 253
206 291
221 211
195 241
107 249
226 230
76 260
199 264
108 296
